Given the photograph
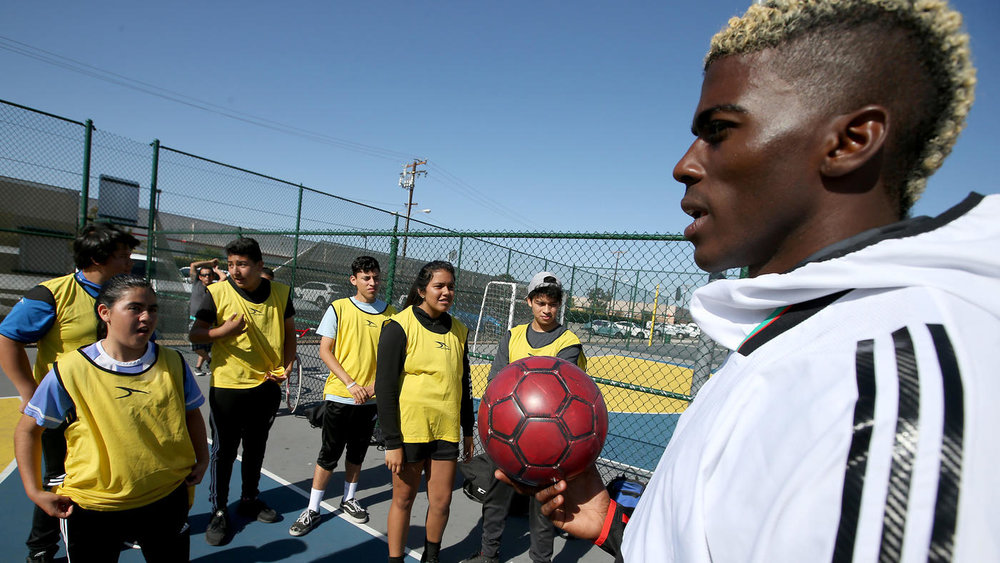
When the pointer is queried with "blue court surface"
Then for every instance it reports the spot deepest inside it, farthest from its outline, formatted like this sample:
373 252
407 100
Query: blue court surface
335 539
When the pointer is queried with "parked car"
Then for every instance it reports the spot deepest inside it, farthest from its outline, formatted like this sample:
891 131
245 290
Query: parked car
690 330
319 293
609 329
632 329
661 328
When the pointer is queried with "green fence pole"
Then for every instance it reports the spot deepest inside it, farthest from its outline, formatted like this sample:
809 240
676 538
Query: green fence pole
390 278
85 188
295 246
151 219
508 260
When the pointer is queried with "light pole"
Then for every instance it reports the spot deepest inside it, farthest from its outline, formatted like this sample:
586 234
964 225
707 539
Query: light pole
614 279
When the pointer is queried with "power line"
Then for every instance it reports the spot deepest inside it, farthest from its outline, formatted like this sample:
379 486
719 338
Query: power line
472 194
160 92
462 188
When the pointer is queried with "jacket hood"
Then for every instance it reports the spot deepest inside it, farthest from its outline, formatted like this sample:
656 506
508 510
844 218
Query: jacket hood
957 252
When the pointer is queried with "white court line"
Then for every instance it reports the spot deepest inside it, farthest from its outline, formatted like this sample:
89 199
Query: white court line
335 510
8 470
13 463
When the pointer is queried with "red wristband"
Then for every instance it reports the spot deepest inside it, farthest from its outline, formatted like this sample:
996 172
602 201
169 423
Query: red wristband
608 520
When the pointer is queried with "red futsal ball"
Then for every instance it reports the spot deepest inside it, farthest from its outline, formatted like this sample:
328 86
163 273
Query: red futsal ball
542 419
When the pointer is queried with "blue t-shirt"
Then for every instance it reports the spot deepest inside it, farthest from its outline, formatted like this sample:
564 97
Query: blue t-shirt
33 316
50 404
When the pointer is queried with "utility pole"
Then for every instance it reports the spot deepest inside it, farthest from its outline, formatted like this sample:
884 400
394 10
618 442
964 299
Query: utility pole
407 180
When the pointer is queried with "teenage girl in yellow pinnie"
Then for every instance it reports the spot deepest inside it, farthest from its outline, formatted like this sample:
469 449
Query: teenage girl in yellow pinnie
136 441
424 398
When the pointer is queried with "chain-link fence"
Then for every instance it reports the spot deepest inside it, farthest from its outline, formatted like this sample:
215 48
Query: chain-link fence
626 294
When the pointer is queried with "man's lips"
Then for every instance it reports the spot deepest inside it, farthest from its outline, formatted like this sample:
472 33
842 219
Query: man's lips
695 226
698 211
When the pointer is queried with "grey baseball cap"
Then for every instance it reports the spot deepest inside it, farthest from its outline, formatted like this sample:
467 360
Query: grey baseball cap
543 279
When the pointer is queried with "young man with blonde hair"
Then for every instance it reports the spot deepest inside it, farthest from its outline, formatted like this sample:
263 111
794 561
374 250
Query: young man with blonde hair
854 419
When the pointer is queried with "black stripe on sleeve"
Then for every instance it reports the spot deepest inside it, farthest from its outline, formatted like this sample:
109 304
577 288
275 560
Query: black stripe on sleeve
857 456
946 505
904 450
789 319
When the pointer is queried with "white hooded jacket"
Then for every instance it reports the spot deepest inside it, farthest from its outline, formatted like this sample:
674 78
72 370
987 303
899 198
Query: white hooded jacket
854 419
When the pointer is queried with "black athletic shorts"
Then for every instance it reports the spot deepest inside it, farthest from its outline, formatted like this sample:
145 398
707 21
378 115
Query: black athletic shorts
346 425
437 449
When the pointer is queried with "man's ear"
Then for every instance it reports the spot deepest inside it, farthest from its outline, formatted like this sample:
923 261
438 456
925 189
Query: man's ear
856 139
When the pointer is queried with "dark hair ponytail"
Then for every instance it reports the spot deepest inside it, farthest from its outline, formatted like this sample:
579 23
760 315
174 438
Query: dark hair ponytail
113 290
423 278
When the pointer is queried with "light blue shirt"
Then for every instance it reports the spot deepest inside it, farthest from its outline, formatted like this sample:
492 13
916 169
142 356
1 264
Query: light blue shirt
328 328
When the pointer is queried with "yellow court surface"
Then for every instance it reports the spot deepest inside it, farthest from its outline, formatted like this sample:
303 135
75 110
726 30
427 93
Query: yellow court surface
8 419
632 371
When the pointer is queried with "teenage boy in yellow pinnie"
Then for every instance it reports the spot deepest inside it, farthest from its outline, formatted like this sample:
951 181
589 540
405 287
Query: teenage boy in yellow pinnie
543 336
250 322
349 335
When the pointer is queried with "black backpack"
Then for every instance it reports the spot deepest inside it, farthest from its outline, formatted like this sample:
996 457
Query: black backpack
479 480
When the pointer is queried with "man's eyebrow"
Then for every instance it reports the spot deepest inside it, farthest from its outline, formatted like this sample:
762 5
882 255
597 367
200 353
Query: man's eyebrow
703 117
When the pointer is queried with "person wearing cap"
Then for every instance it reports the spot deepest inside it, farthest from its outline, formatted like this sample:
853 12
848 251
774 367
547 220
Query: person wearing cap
543 336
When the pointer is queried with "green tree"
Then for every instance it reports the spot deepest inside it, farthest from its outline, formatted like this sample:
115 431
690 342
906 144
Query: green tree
598 300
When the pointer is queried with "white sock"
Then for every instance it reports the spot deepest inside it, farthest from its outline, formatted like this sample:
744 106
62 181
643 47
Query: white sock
315 497
349 491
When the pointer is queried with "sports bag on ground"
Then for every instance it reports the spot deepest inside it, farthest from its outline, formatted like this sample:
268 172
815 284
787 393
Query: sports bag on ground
479 480
626 492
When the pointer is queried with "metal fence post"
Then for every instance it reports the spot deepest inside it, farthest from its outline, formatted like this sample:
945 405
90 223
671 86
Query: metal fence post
151 220
572 278
508 261
295 246
85 188
458 265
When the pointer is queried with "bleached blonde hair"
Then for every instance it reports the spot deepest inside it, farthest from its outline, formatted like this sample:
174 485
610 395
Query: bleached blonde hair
915 50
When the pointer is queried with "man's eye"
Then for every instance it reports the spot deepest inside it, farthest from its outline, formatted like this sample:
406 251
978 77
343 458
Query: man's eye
715 130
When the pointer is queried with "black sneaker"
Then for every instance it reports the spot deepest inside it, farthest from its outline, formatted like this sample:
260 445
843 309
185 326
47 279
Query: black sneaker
218 527
258 509
353 509
304 523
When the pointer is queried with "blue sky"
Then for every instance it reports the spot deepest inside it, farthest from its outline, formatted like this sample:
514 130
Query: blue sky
533 115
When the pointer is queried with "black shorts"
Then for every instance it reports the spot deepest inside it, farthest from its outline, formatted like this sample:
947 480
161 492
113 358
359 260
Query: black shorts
346 425
436 449
161 529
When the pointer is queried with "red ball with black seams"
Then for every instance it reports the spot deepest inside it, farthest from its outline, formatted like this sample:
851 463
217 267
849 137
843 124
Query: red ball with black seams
542 419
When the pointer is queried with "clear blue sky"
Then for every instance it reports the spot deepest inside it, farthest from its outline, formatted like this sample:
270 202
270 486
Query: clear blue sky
569 115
